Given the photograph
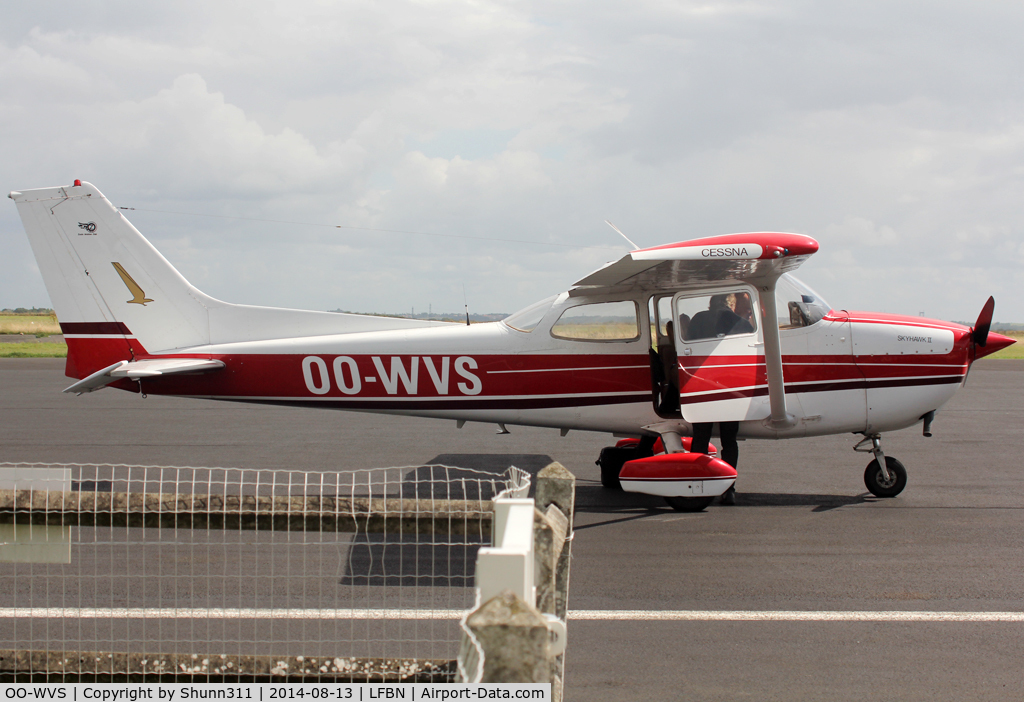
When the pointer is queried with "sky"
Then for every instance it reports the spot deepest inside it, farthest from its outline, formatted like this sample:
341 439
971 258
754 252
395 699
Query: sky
266 145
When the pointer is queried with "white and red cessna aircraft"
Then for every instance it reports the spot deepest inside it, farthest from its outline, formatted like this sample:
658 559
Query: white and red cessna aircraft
708 330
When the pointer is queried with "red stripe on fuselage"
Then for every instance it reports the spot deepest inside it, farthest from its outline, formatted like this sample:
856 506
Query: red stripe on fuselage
811 373
390 377
833 386
493 381
92 328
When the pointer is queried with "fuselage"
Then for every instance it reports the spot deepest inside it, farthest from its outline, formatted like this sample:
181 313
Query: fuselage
846 372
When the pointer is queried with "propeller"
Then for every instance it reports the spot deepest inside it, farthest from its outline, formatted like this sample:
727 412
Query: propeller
983 341
979 335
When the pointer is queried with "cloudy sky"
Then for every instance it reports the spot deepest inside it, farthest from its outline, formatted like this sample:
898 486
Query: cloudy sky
504 133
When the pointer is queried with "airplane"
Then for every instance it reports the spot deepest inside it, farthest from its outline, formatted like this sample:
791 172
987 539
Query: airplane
714 329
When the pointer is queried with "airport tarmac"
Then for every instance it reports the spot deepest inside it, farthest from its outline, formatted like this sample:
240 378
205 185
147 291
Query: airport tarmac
804 536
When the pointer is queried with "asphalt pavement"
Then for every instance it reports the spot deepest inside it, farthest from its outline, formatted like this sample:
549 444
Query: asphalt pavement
804 535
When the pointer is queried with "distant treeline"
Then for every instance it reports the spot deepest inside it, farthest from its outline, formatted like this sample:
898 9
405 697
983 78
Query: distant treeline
29 311
996 326
437 316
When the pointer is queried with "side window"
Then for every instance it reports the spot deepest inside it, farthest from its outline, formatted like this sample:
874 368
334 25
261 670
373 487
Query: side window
599 321
715 316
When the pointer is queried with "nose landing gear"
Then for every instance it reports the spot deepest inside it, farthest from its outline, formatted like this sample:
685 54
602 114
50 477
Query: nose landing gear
884 476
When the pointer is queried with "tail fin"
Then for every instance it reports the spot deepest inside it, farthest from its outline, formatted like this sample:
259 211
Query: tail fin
106 281
116 296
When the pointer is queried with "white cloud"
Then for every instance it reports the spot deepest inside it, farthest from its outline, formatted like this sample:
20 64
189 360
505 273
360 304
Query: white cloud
892 132
861 233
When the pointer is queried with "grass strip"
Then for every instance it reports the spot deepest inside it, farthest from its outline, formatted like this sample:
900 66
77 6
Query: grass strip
1016 351
42 349
28 324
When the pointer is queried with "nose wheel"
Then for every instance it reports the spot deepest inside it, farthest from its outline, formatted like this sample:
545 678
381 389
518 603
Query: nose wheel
881 485
884 476
689 504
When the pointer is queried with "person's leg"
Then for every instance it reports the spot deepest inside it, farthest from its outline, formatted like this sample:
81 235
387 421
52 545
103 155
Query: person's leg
730 448
701 436
730 454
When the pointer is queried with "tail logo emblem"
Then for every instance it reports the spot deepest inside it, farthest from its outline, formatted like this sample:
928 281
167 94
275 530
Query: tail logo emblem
138 295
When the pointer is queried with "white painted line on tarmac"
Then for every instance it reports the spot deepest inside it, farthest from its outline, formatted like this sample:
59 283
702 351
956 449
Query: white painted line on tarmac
791 616
639 615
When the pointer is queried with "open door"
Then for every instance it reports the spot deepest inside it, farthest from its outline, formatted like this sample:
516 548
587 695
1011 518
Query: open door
722 375
664 362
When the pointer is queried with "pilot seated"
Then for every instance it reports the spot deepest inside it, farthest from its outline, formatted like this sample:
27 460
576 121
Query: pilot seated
720 319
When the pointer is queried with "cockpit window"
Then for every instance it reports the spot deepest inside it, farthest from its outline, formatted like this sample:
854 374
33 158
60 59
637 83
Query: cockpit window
797 305
527 319
599 321
715 316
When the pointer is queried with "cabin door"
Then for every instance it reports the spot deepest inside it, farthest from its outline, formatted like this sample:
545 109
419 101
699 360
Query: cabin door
722 375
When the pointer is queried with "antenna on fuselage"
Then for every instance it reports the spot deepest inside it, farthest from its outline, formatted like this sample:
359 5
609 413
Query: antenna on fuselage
465 301
635 247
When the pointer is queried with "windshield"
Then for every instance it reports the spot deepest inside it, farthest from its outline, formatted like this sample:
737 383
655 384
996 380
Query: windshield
527 319
797 305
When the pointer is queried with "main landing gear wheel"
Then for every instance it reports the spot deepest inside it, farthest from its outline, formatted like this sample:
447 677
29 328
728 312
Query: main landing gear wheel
689 504
876 482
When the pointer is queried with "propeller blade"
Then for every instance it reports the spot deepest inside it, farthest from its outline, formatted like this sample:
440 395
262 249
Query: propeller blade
980 334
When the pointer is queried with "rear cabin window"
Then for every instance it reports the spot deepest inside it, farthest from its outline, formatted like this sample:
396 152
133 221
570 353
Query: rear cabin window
715 316
599 321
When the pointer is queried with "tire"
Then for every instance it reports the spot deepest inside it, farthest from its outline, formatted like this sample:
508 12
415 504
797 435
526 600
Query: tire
876 483
689 504
611 461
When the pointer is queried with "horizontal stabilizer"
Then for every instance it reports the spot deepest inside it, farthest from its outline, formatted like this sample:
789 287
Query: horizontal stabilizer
134 370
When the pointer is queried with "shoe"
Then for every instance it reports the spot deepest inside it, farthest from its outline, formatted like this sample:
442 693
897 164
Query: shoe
728 497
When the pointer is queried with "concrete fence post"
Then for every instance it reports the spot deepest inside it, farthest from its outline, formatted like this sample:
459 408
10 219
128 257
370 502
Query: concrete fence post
549 533
514 639
556 499
557 486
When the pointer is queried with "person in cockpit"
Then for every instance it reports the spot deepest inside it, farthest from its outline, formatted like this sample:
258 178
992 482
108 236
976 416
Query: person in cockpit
720 319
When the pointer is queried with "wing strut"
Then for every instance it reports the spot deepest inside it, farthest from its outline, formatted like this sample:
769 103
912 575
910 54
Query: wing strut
780 418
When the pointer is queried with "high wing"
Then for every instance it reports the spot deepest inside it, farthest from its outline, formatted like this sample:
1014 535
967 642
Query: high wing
758 259
751 258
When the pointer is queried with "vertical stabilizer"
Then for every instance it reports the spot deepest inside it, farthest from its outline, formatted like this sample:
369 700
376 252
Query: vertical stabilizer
106 281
